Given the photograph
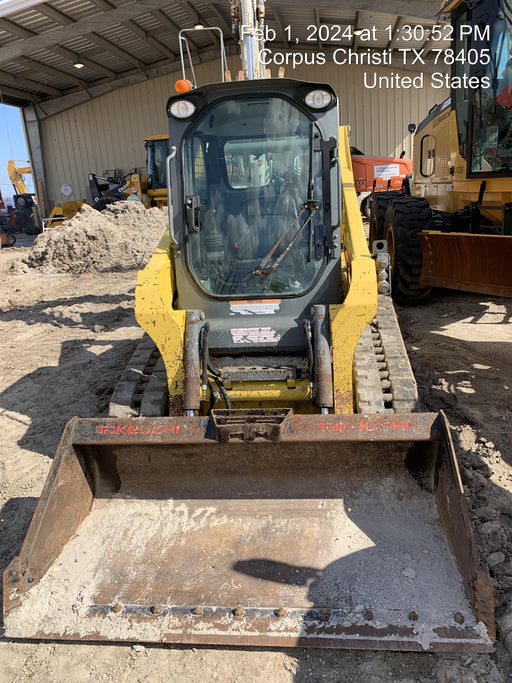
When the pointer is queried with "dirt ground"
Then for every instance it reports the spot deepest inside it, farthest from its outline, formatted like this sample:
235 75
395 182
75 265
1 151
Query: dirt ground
65 338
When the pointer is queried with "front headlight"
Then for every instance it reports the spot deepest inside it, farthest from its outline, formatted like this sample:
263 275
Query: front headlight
318 99
182 109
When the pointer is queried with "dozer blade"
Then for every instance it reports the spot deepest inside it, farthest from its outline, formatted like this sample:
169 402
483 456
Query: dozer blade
470 262
274 529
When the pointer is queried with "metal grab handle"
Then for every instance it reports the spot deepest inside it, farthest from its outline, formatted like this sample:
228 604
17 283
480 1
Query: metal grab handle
169 196
183 42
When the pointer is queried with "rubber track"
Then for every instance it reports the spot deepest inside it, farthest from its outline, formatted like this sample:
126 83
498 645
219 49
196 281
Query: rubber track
383 378
142 388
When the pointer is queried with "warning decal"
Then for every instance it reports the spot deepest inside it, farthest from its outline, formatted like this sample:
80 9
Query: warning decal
254 335
386 171
261 307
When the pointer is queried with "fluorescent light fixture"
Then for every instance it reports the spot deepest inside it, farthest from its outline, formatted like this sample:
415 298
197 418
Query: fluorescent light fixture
78 65
198 26
358 31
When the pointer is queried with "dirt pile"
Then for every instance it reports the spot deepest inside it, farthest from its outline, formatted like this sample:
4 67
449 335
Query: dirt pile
121 237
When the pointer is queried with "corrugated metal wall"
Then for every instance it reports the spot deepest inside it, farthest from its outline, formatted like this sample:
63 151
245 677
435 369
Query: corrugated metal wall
378 118
107 132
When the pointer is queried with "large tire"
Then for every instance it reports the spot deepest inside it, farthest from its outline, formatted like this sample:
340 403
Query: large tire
405 218
31 229
25 222
378 207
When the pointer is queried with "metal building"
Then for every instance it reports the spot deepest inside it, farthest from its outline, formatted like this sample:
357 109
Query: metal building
93 76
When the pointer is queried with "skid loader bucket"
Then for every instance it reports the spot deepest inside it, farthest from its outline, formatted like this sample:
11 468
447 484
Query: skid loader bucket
255 528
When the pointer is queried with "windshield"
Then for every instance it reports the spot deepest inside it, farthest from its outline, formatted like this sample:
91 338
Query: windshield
253 196
491 113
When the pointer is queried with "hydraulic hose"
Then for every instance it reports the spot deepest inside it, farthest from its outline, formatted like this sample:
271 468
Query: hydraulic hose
322 351
192 396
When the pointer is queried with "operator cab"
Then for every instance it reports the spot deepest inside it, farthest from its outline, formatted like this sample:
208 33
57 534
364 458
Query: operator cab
484 113
157 152
256 195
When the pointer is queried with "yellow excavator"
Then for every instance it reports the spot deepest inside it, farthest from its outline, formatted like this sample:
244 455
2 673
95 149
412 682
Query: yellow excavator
26 214
263 477
25 209
452 227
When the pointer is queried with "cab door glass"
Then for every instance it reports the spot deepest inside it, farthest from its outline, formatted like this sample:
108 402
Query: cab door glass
428 153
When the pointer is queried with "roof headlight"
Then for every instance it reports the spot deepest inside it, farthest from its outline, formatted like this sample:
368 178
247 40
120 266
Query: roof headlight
318 99
182 109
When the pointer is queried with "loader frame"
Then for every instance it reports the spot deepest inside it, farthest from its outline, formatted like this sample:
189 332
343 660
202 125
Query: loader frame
166 325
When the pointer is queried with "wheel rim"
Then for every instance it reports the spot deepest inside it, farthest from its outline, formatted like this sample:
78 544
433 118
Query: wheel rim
368 207
390 239
373 232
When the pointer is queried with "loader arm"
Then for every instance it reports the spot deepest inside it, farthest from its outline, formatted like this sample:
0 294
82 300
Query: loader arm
349 319
155 313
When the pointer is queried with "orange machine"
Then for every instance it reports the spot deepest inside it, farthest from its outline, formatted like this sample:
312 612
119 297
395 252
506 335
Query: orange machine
377 174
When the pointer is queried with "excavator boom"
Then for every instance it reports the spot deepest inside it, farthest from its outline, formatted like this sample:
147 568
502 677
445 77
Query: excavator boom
16 174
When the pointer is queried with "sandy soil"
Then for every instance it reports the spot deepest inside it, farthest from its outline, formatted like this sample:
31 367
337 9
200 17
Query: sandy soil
65 340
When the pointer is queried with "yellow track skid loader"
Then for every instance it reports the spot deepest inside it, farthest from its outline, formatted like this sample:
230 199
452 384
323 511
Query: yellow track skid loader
263 477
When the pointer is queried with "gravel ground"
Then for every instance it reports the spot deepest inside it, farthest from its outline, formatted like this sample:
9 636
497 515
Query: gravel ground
65 338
